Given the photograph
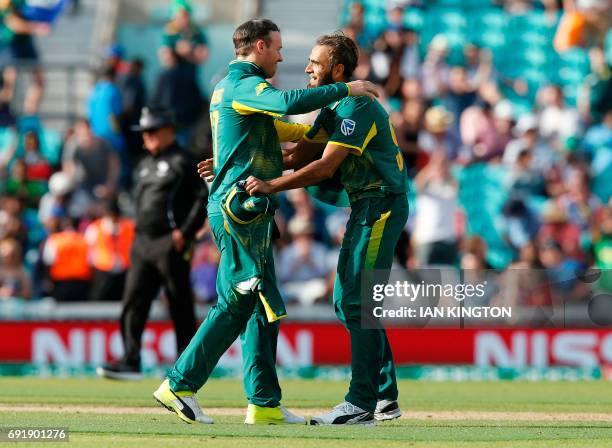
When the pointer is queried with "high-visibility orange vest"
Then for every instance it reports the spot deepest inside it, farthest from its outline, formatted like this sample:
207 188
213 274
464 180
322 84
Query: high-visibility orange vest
107 251
70 261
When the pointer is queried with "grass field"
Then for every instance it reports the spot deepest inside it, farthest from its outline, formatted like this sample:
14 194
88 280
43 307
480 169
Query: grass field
102 413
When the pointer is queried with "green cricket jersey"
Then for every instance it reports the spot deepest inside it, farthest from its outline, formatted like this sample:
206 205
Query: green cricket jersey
375 165
244 112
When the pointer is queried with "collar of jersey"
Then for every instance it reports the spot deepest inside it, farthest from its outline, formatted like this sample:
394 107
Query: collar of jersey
247 67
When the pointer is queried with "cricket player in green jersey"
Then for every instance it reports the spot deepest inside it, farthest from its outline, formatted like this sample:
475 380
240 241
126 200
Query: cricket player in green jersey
245 111
362 145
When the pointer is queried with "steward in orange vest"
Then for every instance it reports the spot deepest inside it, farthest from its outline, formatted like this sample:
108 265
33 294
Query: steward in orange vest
109 240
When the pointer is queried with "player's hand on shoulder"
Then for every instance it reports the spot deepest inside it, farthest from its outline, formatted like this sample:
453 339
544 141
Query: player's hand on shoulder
363 88
206 170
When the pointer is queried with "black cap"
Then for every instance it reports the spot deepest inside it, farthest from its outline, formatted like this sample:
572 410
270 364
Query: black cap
151 119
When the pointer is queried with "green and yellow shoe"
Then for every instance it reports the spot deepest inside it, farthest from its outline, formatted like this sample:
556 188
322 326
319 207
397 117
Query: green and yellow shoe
280 415
183 403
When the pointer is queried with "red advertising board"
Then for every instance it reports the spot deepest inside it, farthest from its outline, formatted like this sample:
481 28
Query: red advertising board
308 344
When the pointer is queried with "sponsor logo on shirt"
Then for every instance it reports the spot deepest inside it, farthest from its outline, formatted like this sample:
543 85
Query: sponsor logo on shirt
347 127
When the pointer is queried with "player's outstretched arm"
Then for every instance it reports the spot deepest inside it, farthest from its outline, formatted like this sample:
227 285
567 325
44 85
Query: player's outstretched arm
311 174
259 96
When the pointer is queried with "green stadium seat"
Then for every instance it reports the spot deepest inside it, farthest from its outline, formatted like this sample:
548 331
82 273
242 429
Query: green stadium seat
414 18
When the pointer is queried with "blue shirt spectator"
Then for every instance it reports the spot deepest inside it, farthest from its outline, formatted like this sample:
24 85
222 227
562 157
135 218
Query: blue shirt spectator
104 107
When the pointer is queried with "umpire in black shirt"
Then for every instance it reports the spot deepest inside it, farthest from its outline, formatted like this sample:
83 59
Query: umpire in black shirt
170 206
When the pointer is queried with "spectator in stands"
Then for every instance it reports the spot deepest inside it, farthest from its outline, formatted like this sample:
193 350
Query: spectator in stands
64 255
114 59
300 205
438 134
479 65
435 70
109 240
57 200
134 98
385 62
485 128
434 235
408 124
182 40
302 265
17 49
579 204
93 166
525 179
562 271
460 95
527 139
11 220
557 228
15 280
357 29
596 96
410 64
557 121
204 269
521 223
104 109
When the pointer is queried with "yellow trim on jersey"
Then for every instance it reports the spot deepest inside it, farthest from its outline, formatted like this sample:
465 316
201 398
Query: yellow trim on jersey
393 136
321 137
290 132
400 160
270 315
260 87
375 238
243 109
358 150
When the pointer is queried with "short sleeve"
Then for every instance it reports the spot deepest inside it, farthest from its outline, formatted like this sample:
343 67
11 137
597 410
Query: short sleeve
353 126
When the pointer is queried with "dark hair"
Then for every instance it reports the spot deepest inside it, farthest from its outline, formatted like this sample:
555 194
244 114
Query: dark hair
342 50
250 32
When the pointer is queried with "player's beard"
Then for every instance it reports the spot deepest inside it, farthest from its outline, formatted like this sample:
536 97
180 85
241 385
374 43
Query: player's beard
325 80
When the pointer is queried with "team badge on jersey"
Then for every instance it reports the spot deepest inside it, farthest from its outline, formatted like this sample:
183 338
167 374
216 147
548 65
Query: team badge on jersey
260 87
347 127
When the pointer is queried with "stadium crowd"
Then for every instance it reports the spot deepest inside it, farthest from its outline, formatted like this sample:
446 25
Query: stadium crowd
508 169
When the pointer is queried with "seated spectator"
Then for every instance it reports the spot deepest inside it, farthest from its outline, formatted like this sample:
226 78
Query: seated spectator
460 95
521 224
11 220
302 265
479 66
438 134
528 139
579 204
58 197
434 236
109 240
408 124
435 70
182 39
557 121
92 165
299 204
14 278
525 179
204 269
65 256
410 63
18 184
485 127
557 228
596 95
563 273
